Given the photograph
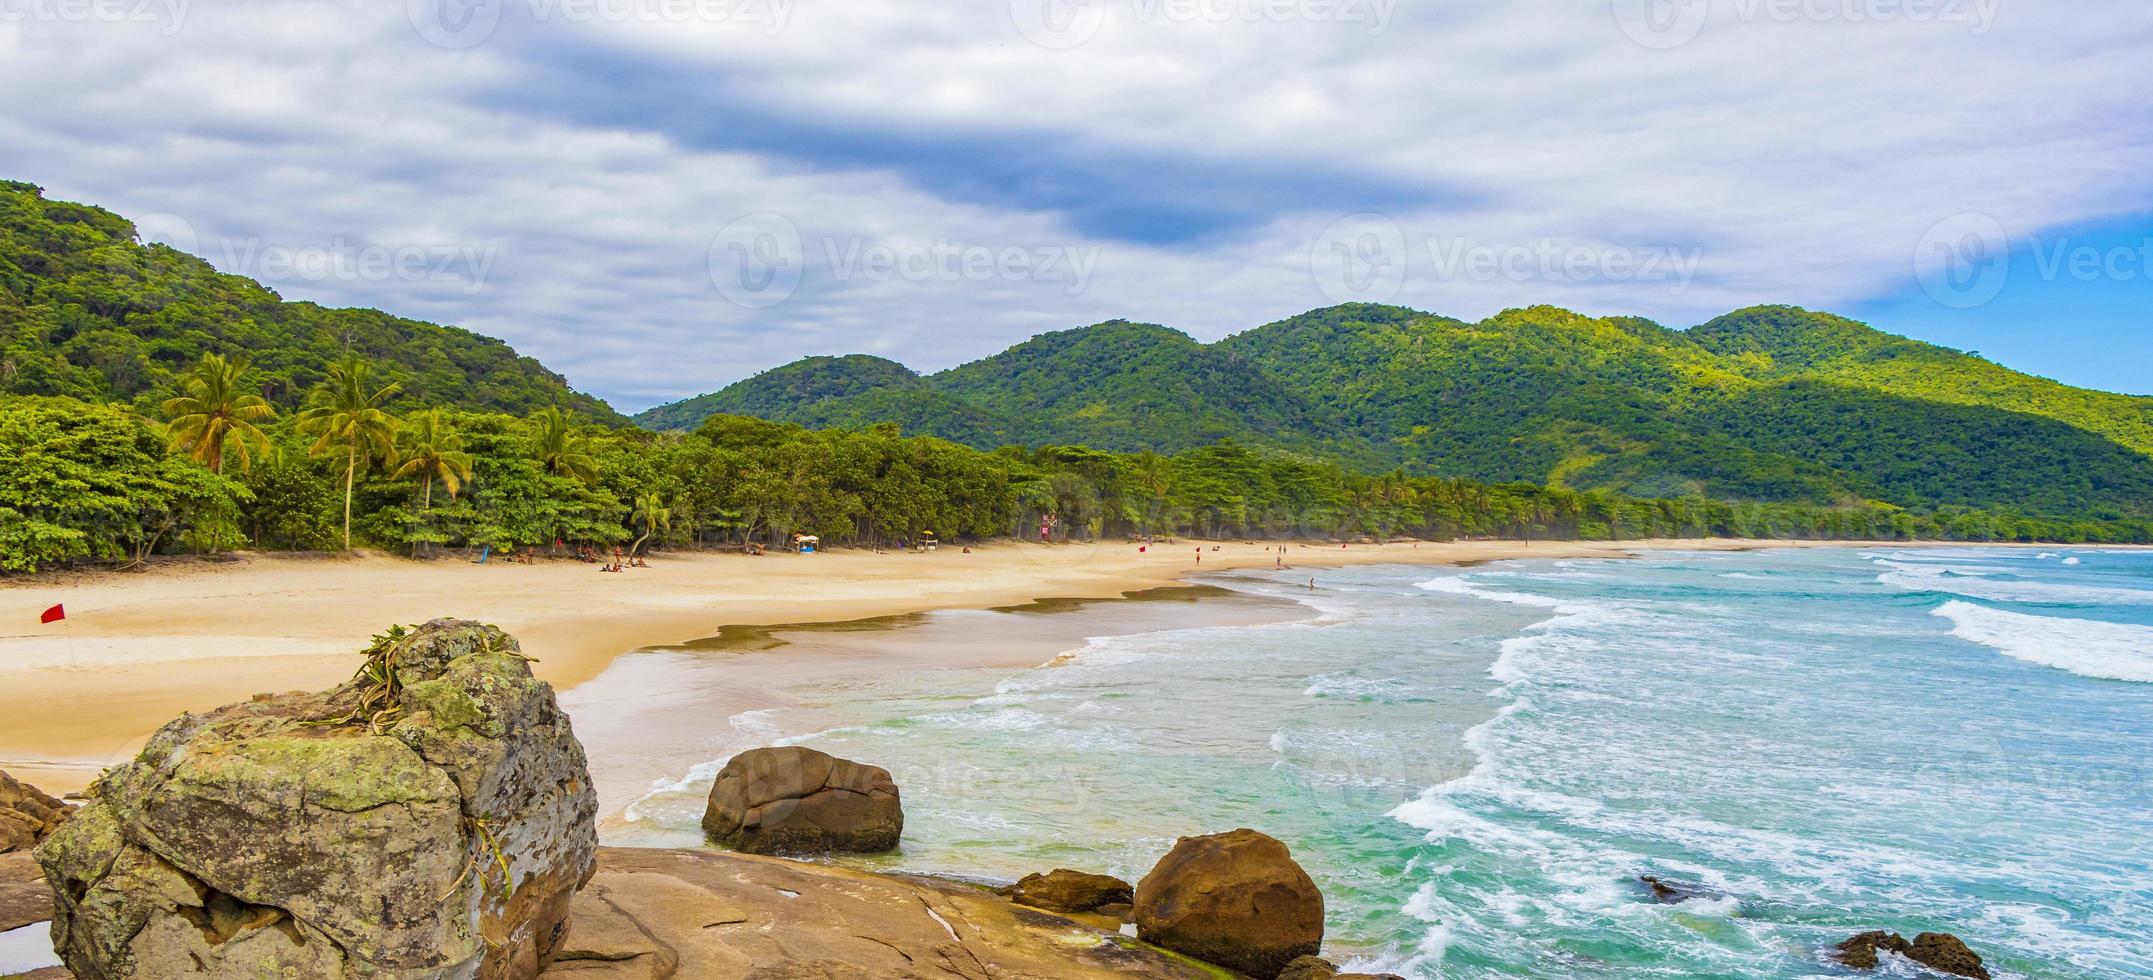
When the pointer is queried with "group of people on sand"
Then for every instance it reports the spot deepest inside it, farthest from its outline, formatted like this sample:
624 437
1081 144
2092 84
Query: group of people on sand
618 562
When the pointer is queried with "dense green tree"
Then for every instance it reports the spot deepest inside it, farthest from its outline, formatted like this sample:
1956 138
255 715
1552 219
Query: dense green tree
346 418
560 447
217 414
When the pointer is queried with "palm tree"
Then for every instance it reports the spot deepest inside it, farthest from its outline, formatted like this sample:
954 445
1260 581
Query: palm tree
652 513
345 415
560 448
216 412
431 450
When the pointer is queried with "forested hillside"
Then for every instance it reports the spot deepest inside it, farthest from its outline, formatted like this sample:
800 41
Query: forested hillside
87 311
1770 403
150 405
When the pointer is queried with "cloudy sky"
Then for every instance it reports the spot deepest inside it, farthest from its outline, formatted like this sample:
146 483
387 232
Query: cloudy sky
658 197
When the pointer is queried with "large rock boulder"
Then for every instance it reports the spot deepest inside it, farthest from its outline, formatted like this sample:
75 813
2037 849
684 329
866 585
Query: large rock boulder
432 817
795 800
1063 890
26 815
1236 899
1939 951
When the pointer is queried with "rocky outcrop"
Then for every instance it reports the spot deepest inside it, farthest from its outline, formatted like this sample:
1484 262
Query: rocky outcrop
1236 899
27 816
1939 951
1944 953
432 817
1318 968
653 914
795 800
1670 892
1063 890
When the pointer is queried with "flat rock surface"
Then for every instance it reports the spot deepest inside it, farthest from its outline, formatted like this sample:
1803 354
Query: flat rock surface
23 896
656 913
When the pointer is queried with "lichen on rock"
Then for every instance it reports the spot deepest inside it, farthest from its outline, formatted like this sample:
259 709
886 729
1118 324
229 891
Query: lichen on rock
432 817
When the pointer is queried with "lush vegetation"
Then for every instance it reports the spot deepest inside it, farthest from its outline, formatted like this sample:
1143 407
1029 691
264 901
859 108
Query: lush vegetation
88 312
150 405
1769 404
86 481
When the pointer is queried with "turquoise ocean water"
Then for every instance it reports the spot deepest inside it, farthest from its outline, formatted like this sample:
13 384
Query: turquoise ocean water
1476 764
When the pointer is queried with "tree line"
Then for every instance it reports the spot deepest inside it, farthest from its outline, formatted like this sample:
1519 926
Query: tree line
224 469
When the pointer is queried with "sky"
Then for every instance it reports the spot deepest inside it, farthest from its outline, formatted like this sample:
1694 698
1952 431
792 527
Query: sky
659 197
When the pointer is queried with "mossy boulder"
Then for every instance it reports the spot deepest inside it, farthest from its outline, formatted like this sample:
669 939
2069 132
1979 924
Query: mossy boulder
432 817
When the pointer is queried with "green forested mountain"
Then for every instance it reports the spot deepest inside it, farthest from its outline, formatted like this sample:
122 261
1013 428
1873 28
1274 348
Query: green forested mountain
152 406
1770 403
88 312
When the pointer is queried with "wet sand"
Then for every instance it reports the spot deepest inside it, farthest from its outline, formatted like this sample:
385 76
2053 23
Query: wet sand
138 648
655 715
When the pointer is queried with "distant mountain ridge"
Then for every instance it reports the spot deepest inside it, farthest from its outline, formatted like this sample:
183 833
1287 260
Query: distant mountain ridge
89 311
1767 403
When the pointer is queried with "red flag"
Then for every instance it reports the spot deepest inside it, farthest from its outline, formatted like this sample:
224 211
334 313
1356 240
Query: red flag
53 615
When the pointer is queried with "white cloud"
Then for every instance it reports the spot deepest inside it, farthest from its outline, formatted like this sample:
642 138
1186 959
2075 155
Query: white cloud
1787 160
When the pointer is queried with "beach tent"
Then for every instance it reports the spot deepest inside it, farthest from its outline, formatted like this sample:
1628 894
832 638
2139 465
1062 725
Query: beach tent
808 543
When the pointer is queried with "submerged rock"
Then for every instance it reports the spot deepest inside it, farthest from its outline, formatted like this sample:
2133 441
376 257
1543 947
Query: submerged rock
1670 892
794 800
654 914
432 817
1860 950
26 815
1063 890
1236 899
1944 953
1939 951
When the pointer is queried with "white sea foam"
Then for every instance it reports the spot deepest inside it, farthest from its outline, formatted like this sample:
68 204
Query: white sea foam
1349 686
1975 583
2089 648
1457 585
2072 561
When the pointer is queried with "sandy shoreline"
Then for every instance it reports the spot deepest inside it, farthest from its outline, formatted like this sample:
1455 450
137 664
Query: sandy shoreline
139 648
